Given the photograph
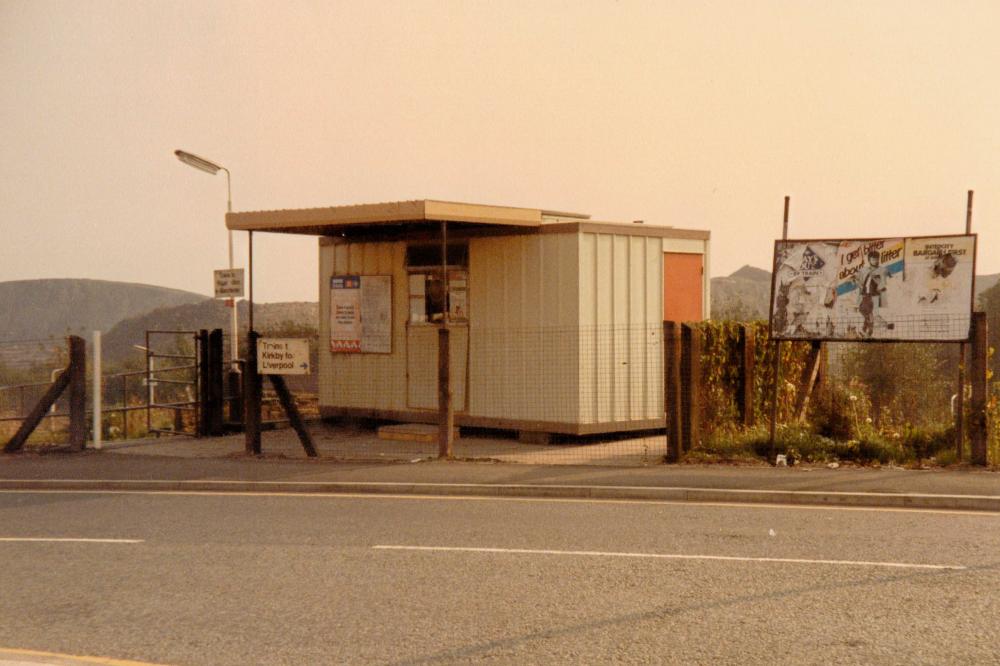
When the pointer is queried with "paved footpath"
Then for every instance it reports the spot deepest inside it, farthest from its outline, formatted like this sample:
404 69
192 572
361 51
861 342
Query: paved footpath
122 469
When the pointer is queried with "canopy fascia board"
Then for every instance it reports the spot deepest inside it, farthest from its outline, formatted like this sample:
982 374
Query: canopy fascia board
338 218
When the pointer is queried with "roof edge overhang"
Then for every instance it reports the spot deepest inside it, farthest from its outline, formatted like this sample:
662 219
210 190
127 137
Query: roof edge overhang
401 219
337 219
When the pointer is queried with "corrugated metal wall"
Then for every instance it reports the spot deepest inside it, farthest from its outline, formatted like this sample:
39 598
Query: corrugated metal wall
621 334
404 379
524 344
372 381
563 328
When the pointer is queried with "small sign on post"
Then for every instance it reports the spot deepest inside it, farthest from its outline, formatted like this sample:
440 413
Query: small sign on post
283 356
229 283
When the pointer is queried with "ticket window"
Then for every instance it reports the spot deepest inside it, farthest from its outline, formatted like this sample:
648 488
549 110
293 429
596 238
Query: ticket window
429 300
429 296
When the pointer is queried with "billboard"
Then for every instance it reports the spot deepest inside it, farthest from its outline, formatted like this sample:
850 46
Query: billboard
892 289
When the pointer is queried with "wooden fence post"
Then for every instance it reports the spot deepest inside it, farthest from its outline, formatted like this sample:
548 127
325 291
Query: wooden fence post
38 412
251 398
77 393
745 349
672 388
446 410
775 397
807 382
977 371
690 385
292 411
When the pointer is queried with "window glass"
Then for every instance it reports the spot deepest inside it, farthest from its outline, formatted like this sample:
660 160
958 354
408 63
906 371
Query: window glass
430 255
429 299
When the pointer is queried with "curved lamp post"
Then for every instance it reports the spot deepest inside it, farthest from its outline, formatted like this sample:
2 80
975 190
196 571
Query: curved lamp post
208 166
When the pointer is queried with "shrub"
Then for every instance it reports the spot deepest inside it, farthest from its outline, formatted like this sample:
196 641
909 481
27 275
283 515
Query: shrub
928 442
832 413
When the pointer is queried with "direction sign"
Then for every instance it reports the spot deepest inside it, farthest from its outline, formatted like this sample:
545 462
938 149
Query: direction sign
229 283
283 356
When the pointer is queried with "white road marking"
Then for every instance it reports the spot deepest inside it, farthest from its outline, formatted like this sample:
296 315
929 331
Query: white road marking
481 498
39 658
68 540
673 556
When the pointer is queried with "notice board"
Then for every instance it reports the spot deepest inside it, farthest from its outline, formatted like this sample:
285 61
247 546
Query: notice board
361 314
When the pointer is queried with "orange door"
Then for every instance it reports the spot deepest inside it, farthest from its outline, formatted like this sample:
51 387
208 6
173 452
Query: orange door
682 286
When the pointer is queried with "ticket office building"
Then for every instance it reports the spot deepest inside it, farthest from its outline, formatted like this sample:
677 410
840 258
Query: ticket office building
555 320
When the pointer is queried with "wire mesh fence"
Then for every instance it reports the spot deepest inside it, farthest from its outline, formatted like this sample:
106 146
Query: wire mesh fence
27 369
600 395
597 395
135 402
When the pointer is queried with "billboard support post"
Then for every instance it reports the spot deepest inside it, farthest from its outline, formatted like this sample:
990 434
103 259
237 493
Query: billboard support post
777 357
960 400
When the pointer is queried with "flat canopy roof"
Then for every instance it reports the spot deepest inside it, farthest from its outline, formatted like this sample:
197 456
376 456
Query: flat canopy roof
417 216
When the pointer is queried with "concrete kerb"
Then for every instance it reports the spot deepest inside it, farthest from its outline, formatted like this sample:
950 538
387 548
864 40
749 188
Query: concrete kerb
637 493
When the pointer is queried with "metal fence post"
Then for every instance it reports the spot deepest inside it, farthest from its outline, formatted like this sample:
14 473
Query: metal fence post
125 405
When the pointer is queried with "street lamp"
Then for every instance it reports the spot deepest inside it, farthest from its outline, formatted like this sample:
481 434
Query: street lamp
208 166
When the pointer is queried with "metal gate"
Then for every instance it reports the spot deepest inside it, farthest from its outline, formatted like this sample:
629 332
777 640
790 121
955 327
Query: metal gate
173 365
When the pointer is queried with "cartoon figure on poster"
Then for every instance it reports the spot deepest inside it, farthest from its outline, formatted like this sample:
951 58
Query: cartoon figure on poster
938 286
872 283
872 269
803 289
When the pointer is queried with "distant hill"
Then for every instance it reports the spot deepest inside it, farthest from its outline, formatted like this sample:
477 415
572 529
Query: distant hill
752 274
283 318
745 294
39 309
984 282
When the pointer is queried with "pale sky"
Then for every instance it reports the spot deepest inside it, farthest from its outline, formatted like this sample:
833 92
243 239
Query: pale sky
875 117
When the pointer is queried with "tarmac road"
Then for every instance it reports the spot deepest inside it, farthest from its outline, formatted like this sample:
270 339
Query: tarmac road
316 579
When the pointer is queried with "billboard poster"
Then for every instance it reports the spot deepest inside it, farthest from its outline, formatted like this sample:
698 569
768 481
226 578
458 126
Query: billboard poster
873 289
361 313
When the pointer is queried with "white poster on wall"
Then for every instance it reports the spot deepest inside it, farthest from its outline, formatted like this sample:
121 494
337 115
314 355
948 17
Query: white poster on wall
873 289
361 313
376 314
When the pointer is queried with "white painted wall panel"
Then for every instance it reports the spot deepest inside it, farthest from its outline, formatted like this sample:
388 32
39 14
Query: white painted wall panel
685 245
621 328
563 328
523 348
422 348
371 381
